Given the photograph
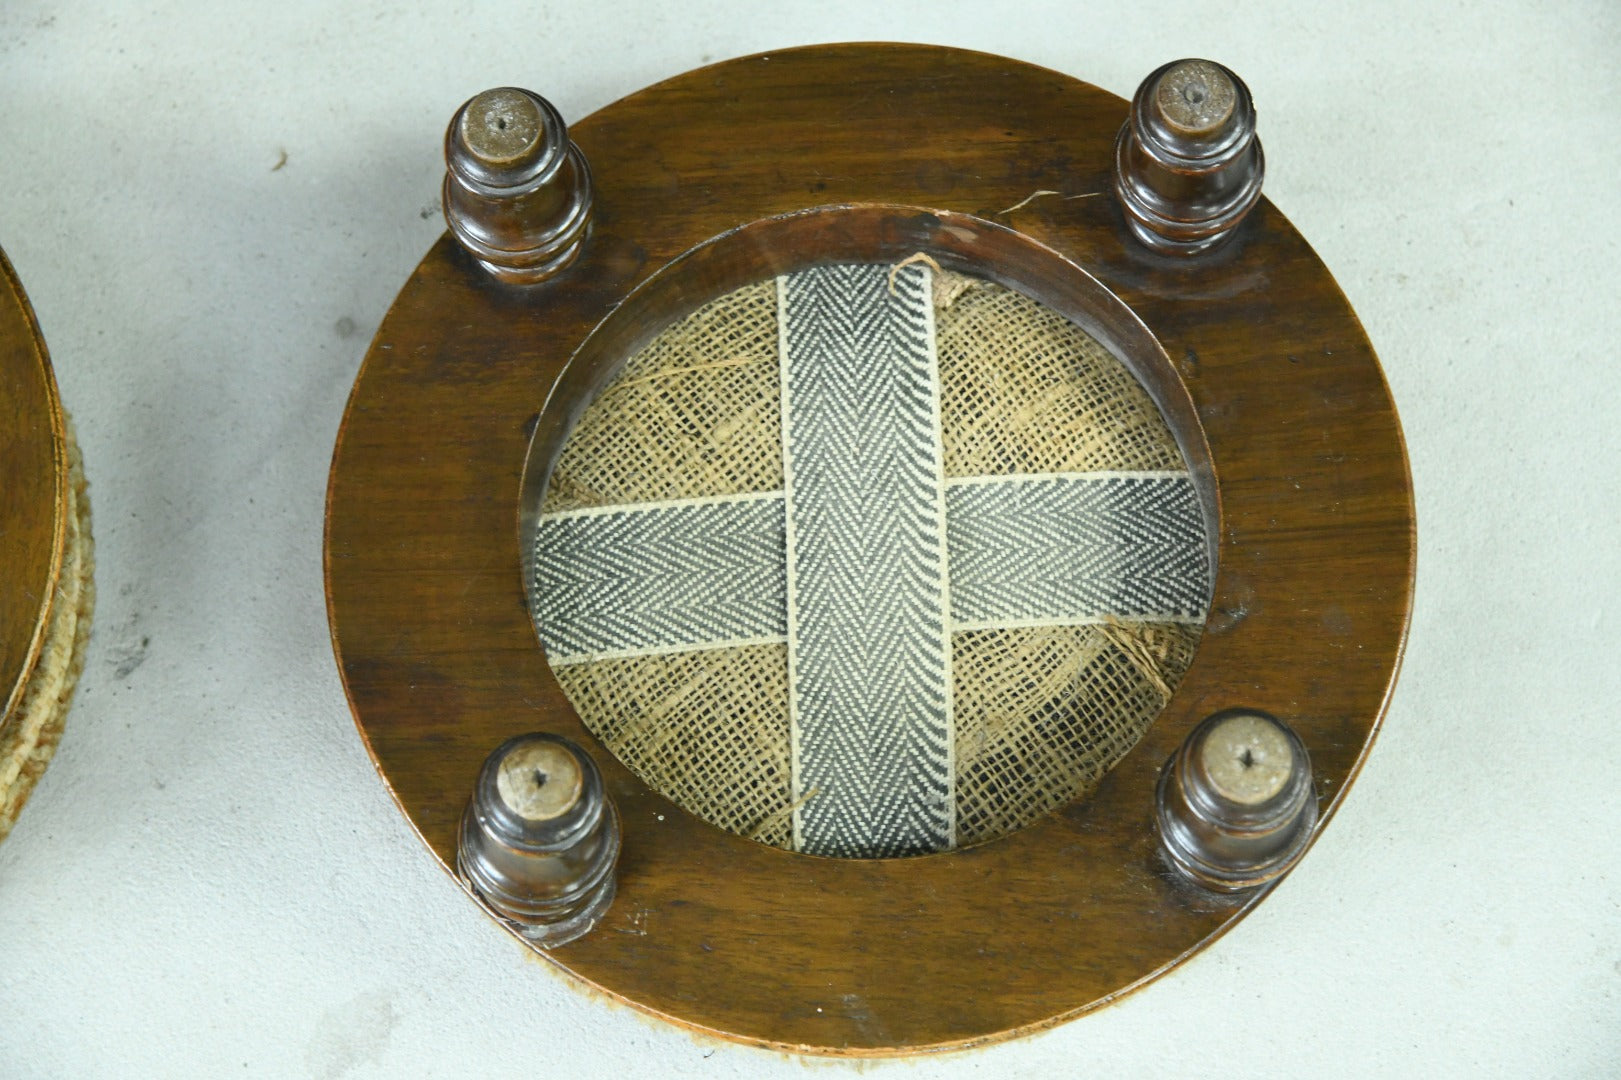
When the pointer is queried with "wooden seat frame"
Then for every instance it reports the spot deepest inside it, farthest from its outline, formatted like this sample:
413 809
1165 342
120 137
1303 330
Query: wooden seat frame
870 152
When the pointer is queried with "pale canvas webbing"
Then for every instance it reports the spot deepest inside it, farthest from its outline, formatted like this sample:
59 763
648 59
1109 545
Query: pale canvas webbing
1067 549
869 678
1055 550
660 577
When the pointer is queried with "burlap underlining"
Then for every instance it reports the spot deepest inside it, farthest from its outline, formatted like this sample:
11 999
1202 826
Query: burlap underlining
694 413
29 739
1041 713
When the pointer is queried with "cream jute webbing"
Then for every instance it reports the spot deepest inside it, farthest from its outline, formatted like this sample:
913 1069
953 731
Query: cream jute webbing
29 741
1041 713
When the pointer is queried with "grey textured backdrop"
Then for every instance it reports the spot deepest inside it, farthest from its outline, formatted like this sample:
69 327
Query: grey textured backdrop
212 206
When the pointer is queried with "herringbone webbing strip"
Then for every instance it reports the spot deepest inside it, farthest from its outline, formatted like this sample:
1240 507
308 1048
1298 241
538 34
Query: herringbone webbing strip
1059 550
659 577
1070 549
869 651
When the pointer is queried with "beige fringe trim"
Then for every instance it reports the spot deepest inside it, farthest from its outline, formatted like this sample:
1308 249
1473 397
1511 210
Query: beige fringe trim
28 743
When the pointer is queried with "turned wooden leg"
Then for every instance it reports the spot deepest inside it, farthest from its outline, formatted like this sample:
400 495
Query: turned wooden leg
517 192
1187 165
540 839
1236 805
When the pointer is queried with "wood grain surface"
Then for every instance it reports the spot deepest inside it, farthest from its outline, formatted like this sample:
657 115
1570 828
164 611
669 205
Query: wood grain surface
1260 363
33 490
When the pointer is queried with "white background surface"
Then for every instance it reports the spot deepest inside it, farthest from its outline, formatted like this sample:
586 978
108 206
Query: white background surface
211 880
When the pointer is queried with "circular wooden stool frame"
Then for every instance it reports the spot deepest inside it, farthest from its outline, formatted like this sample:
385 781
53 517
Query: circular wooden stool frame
33 491
1253 352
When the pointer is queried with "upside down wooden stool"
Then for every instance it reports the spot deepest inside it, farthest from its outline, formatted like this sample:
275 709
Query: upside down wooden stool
46 559
573 248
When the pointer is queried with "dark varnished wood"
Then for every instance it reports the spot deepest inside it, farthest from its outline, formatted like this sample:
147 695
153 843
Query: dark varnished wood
33 490
1254 353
